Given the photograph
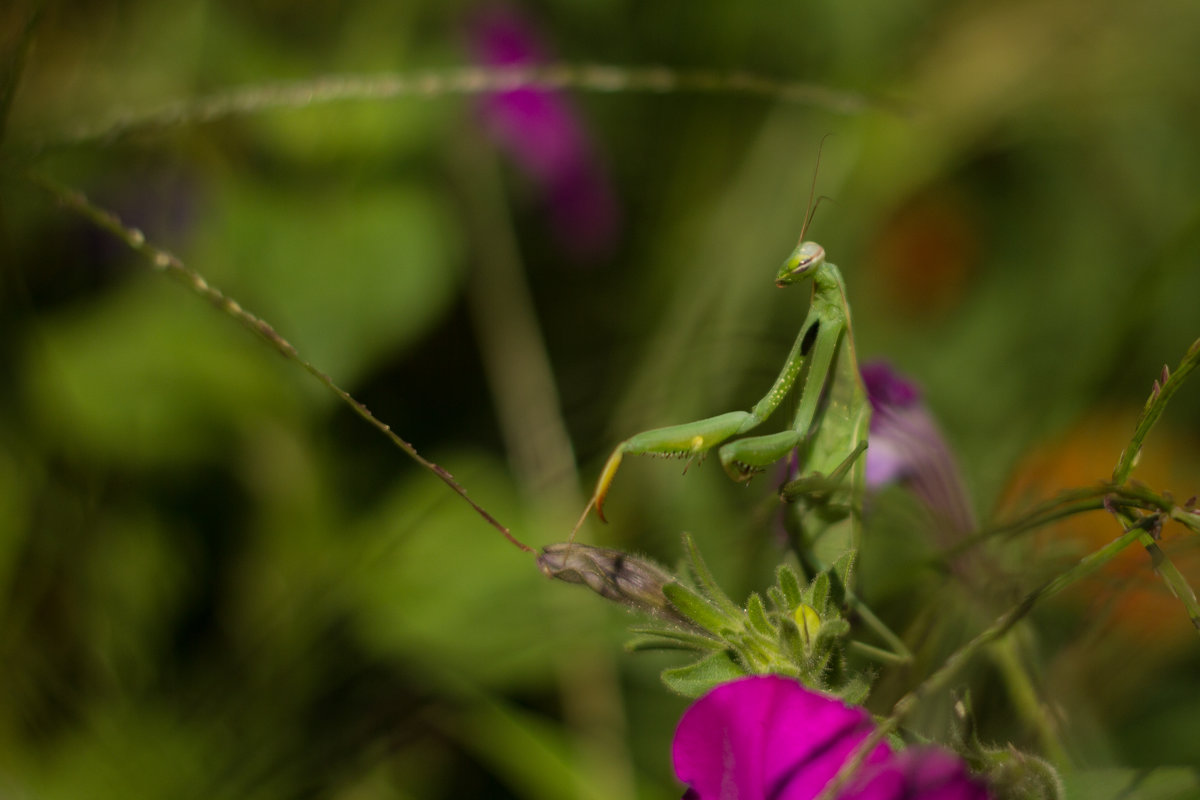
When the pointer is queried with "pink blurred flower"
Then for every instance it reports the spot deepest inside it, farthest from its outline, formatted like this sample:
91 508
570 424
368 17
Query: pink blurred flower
907 447
771 737
541 132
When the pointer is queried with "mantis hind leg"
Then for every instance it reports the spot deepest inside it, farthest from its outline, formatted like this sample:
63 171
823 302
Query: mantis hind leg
687 440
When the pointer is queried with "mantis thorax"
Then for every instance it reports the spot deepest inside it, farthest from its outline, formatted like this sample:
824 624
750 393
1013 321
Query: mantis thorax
806 259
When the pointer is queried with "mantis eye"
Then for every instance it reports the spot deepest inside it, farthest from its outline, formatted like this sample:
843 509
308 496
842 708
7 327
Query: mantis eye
804 260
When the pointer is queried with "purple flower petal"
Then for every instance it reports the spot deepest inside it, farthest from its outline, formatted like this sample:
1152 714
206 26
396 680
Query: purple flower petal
907 446
767 737
886 388
770 737
540 131
886 462
923 773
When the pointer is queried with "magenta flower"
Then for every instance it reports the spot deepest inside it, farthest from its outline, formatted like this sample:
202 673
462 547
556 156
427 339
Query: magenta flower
540 131
907 447
771 738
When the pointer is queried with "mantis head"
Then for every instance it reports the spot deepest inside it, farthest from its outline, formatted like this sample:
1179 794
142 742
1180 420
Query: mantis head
806 259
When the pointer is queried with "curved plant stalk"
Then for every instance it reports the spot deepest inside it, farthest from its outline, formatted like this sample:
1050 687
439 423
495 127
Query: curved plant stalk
457 81
165 261
1165 386
1103 496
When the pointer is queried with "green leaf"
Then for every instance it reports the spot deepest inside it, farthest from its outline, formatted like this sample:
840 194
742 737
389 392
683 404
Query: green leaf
671 639
350 274
779 601
855 691
817 593
641 644
427 594
832 629
151 376
695 608
696 679
789 585
842 570
706 582
791 643
757 614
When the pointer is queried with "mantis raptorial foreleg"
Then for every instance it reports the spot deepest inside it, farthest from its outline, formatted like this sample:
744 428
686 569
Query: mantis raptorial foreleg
819 347
814 352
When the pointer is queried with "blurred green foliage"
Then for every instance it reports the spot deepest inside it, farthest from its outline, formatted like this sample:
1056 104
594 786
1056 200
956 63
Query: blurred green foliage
217 582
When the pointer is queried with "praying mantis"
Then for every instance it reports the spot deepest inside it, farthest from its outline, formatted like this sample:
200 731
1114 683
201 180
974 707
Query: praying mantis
828 430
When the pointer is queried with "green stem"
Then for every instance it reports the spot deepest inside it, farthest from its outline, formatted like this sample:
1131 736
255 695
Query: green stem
1025 697
1164 388
880 655
515 359
899 652
940 679
1166 569
1076 501
521 379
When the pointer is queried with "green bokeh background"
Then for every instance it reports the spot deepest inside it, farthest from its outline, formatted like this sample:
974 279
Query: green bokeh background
216 581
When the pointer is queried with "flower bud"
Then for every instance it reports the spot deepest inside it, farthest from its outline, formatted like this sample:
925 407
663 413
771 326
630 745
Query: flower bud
809 622
1012 774
617 576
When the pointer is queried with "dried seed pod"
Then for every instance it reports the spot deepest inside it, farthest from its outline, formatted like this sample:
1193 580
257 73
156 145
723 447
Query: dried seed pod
633 582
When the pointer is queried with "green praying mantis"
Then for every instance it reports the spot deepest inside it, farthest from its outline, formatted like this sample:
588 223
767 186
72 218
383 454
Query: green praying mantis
828 431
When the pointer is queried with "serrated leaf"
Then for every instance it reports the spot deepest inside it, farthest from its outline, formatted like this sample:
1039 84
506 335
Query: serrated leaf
697 678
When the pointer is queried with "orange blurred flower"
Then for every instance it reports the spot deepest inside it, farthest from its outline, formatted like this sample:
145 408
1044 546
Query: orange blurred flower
1126 597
